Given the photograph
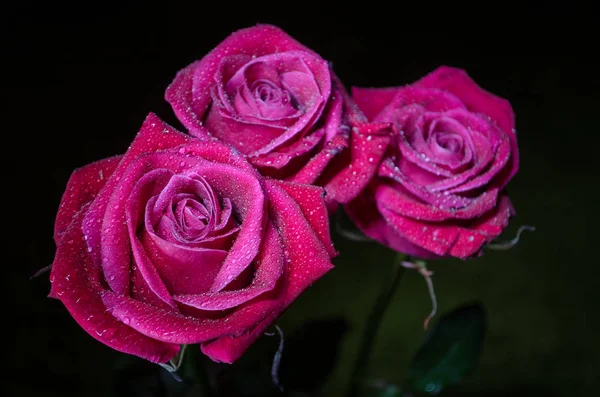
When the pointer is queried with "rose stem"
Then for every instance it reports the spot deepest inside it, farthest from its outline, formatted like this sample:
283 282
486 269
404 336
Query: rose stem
373 323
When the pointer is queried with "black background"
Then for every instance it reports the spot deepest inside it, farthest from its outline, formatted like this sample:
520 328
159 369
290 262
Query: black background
81 79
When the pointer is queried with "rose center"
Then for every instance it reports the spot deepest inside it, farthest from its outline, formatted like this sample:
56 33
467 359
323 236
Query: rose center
449 141
191 215
269 94
188 210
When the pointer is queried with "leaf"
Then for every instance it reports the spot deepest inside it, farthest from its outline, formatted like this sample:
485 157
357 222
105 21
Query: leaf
450 351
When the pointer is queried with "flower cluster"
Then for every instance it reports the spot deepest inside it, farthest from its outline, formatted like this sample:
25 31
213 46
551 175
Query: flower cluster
206 236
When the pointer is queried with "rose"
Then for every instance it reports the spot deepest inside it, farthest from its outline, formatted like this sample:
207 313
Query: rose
439 190
279 104
181 241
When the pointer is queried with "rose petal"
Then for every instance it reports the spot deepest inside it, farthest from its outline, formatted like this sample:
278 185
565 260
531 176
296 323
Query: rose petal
310 200
148 186
363 212
405 204
373 100
269 269
74 283
307 262
458 82
82 187
483 230
171 327
281 157
153 136
355 168
315 167
436 199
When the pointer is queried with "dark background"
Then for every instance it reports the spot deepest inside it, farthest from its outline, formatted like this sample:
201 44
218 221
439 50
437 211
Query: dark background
81 79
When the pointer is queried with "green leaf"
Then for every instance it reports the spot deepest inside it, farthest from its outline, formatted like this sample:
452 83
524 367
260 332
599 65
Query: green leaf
449 352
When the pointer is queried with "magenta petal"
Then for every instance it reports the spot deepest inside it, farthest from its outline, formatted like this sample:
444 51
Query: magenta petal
458 82
436 199
270 266
403 203
373 100
171 327
148 186
363 212
281 157
308 258
247 137
153 136
184 269
307 262
247 196
227 349
313 169
82 187
310 200
74 283
368 144
437 238
483 230
180 95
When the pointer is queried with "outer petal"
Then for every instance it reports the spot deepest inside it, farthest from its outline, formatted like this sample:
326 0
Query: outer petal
458 82
353 171
308 260
76 284
461 241
484 230
171 327
373 100
363 212
407 205
310 200
82 187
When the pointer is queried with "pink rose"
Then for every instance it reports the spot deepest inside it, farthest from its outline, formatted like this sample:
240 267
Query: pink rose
279 104
181 241
439 190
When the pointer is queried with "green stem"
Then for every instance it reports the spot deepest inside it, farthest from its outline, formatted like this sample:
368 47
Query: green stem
373 322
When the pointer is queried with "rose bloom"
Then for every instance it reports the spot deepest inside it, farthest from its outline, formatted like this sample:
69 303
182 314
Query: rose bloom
279 104
439 190
182 241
